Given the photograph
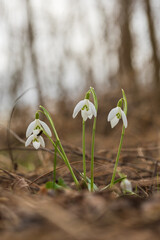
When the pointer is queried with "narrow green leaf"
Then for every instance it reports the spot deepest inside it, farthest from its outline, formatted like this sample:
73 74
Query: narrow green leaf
55 186
50 185
62 183
50 120
94 97
125 102
119 180
88 183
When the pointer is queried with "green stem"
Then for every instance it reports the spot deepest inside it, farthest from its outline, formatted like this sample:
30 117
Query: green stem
83 146
92 154
93 138
68 164
55 164
64 157
117 158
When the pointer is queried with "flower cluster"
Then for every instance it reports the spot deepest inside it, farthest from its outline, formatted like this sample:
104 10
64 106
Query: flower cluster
34 131
88 110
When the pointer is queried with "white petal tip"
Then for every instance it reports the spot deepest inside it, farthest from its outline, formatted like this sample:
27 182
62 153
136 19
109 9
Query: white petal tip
73 115
46 128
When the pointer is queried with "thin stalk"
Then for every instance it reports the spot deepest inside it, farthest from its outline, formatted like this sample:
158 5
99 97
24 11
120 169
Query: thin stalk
92 154
63 154
83 146
157 182
117 158
64 157
68 165
55 164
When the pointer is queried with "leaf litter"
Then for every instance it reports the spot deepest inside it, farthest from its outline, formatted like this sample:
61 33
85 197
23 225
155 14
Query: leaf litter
30 211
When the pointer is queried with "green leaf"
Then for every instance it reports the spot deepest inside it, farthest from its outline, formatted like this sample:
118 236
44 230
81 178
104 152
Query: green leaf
50 185
88 183
94 97
119 179
46 113
125 102
61 184
116 181
95 188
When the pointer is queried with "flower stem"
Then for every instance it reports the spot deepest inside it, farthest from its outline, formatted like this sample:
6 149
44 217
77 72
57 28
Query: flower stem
93 138
83 146
68 165
62 152
92 154
55 164
117 158
64 157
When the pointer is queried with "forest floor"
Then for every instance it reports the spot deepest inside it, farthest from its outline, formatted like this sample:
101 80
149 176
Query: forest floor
29 211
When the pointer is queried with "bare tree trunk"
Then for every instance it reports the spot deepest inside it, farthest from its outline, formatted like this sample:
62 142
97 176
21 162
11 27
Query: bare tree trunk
155 59
126 71
31 39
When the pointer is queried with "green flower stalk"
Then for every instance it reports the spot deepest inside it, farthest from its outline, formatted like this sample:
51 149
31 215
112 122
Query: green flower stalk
88 110
60 150
55 164
113 117
93 139
83 147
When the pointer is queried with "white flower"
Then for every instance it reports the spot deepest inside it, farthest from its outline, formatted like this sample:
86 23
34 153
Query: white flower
126 185
37 124
87 109
35 139
115 115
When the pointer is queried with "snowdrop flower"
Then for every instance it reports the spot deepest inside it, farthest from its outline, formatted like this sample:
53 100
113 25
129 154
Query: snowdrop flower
126 185
115 115
37 125
87 108
35 139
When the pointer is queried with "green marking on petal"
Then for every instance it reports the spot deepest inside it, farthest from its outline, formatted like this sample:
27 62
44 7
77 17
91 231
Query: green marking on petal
85 107
118 115
35 140
37 127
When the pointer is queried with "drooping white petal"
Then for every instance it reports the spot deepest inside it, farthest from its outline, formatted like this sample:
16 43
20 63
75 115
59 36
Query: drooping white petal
124 118
93 109
90 116
36 144
41 140
114 121
30 128
89 113
29 140
113 113
46 128
78 107
84 114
